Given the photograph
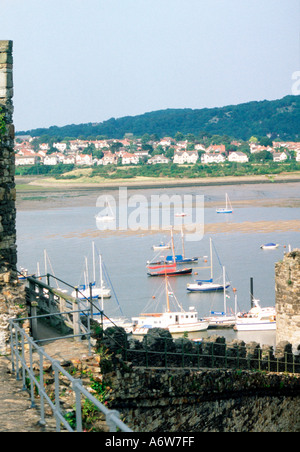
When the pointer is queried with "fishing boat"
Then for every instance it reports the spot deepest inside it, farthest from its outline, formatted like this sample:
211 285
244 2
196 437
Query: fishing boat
257 319
208 285
174 321
109 216
270 246
227 208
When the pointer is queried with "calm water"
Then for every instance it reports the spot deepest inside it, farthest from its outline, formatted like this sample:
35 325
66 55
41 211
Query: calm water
66 229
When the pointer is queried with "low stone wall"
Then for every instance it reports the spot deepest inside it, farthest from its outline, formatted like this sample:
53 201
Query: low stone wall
160 398
215 400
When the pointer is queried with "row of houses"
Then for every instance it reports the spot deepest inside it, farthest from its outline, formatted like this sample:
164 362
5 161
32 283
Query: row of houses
25 154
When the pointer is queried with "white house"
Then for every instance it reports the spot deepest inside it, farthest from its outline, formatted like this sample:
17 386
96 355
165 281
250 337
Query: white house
84 159
157 159
298 156
238 156
61 147
280 156
108 159
128 159
51 159
26 158
181 157
212 157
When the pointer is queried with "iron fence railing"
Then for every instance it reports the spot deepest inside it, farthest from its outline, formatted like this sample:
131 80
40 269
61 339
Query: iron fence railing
167 352
22 349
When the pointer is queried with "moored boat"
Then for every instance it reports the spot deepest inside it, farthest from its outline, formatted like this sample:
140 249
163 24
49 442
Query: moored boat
257 319
176 322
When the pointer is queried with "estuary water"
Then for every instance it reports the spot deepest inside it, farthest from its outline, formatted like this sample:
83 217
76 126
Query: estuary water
63 223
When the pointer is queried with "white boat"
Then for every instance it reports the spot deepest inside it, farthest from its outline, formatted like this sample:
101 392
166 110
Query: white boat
88 290
174 321
182 214
223 319
208 285
161 246
109 216
228 207
257 319
270 246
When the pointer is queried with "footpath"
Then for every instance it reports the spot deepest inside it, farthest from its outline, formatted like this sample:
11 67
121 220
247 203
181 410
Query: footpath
16 415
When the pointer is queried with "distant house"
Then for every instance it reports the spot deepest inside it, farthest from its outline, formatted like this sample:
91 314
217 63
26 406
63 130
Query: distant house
108 159
181 157
158 159
254 148
51 159
216 148
84 159
61 147
298 156
280 156
25 157
166 141
238 156
129 159
212 157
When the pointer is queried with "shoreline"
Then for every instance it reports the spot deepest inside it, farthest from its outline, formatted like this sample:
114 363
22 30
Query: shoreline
35 184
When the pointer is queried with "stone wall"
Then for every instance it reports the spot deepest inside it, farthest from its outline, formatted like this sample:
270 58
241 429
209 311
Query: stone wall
208 400
12 296
8 253
287 287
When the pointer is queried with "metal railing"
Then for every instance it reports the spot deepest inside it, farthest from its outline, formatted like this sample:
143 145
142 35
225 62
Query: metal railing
25 368
181 352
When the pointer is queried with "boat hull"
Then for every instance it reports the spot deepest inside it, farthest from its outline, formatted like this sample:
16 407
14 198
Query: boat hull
175 329
255 326
168 272
224 211
206 288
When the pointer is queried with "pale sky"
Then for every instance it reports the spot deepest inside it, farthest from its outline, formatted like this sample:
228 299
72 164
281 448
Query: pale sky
79 61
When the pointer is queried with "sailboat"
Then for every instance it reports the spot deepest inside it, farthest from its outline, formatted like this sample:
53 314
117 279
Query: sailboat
175 258
88 290
170 268
173 321
221 319
208 285
105 218
227 208
180 258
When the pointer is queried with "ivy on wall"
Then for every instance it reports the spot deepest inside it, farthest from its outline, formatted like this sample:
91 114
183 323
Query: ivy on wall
2 123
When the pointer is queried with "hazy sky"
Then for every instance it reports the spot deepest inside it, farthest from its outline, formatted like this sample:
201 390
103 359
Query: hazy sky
78 61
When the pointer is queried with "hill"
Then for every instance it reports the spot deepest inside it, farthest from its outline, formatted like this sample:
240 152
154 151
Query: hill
280 118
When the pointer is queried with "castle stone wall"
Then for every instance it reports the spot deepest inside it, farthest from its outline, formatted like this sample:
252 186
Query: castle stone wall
287 288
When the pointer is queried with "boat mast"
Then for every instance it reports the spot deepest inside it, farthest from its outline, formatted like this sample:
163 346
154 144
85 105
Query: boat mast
224 284
182 239
173 250
94 267
211 260
101 281
167 293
